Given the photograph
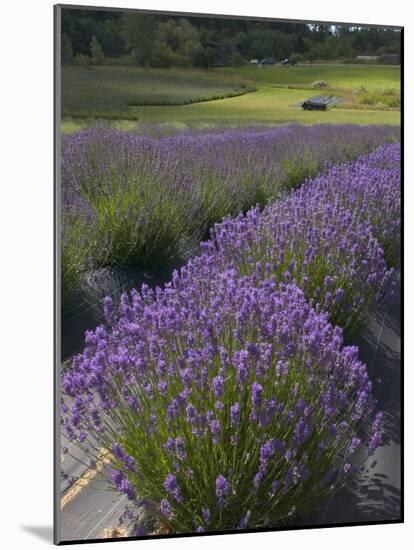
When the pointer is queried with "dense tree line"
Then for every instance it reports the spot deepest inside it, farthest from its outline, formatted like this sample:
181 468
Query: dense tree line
88 37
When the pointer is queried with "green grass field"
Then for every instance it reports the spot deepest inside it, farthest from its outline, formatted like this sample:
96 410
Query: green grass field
122 94
338 76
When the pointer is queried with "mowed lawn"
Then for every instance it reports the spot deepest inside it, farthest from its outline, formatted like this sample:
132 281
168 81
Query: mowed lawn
338 76
280 90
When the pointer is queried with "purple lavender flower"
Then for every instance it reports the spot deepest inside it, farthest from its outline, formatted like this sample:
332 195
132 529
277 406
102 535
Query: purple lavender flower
170 483
218 386
180 448
275 487
374 442
126 488
355 442
215 427
235 415
165 508
171 486
244 522
258 478
123 484
222 490
206 514
257 392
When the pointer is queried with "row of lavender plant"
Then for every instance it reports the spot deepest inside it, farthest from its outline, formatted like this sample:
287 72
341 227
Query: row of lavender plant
337 236
227 399
134 200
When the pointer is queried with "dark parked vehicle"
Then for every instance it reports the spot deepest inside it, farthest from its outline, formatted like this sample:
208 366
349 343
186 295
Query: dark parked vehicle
317 103
267 61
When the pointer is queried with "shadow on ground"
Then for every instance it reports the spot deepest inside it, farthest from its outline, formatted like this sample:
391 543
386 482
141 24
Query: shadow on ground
42 532
375 494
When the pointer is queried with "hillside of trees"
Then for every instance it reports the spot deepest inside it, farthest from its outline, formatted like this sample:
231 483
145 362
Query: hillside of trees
96 37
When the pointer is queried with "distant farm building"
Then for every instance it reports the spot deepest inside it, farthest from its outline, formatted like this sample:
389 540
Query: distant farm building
367 57
391 59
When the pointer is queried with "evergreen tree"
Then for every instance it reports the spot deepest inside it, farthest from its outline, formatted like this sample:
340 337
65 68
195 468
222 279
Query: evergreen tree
96 52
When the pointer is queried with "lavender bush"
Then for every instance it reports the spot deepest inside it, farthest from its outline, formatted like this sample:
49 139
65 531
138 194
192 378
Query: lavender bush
138 199
225 410
126 210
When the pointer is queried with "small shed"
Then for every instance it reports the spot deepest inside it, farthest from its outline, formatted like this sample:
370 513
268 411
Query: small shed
318 103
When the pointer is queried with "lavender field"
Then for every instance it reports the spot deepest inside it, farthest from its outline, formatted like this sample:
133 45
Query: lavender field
231 397
133 200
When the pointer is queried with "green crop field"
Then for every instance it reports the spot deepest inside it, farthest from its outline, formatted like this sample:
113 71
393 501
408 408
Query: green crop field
189 97
112 90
